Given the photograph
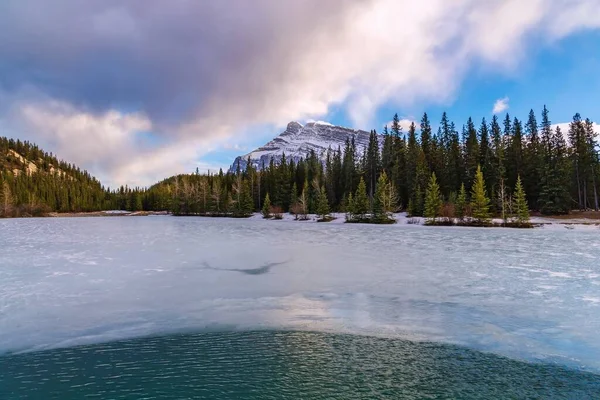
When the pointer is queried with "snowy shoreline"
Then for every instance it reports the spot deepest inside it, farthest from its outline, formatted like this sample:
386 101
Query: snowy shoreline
401 219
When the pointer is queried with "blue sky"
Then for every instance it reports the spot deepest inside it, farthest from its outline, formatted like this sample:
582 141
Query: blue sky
138 92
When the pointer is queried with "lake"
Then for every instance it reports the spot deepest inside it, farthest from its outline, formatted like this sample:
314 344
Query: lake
166 307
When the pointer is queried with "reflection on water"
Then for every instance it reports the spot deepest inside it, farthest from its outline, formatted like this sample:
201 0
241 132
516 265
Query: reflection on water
279 364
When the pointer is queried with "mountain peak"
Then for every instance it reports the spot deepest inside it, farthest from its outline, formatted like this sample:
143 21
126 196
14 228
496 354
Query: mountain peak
298 140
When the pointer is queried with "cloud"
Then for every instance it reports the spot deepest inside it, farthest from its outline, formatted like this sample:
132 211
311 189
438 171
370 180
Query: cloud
195 73
118 145
404 123
564 128
501 105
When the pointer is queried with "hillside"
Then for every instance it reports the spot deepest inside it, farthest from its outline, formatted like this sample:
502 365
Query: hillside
34 182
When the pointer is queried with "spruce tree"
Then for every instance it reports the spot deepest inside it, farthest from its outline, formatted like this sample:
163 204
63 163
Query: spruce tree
472 155
385 199
266 210
247 206
461 203
520 204
293 197
554 195
361 200
350 208
323 205
480 203
433 200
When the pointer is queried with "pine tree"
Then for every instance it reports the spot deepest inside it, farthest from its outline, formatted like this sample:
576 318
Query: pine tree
350 208
247 206
372 163
461 203
361 200
520 204
533 160
471 152
426 141
498 156
323 205
554 193
480 203
293 197
433 200
266 210
384 200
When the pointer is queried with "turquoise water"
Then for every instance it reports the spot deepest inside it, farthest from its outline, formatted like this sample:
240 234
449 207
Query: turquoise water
282 365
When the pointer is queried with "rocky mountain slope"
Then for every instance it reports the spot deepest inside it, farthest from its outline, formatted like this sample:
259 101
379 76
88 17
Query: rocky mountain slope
298 140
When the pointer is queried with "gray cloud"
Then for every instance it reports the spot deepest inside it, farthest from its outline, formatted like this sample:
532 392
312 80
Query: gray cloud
172 60
194 72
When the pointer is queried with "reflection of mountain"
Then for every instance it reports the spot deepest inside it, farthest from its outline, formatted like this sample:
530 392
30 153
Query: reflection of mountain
298 140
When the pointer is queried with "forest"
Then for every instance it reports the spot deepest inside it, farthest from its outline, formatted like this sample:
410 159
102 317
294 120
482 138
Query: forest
34 183
500 168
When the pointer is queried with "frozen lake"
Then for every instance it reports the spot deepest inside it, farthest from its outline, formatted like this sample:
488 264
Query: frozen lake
527 294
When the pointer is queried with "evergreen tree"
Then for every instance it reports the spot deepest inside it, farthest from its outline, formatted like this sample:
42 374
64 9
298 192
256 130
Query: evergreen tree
471 152
433 200
372 163
385 199
293 197
554 195
247 203
520 204
350 208
266 210
361 200
387 152
388 195
426 141
533 160
323 205
461 203
498 170
480 203
485 154
514 154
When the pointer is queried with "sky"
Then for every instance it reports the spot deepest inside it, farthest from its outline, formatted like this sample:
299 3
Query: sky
136 91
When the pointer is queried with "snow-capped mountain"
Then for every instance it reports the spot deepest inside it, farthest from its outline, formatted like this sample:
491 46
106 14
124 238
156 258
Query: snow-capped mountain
298 140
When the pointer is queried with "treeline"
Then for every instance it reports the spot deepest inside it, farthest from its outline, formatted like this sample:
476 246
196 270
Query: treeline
34 183
558 173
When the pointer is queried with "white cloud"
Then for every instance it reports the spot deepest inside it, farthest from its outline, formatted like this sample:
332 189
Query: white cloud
112 144
500 105
404 123
564 128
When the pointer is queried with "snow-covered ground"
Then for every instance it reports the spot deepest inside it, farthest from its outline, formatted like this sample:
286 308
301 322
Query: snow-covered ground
529 294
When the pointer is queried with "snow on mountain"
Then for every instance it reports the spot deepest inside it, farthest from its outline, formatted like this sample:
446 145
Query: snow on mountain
298 140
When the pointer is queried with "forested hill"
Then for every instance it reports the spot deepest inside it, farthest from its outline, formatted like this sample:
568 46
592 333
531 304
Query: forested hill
34 182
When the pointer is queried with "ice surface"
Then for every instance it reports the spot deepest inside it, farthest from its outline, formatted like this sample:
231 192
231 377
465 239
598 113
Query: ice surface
527 294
